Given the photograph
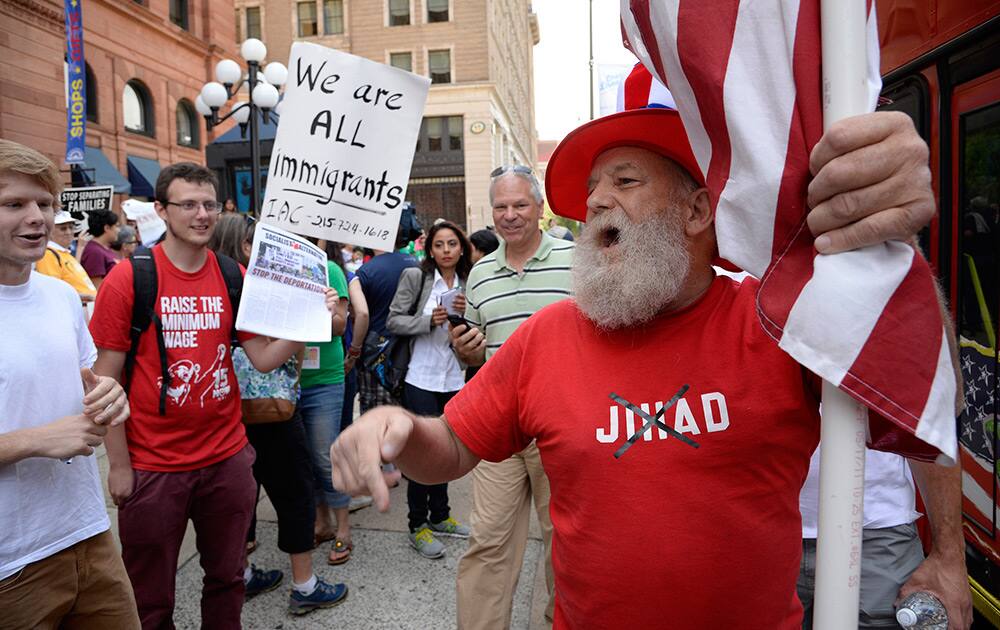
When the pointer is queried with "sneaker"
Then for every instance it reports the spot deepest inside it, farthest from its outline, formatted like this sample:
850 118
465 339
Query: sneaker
450 527
262 581
324 596
359 503
423 541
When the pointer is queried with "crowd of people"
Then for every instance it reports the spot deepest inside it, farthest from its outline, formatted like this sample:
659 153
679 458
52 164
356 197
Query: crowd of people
465 356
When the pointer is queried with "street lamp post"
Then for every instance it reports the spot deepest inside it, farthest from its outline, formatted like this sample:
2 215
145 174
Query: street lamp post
262 97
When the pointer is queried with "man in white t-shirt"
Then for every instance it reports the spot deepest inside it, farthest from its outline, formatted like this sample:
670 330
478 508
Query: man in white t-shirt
59 566
892 558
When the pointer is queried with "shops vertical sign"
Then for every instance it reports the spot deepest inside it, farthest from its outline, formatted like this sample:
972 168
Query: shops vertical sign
76 84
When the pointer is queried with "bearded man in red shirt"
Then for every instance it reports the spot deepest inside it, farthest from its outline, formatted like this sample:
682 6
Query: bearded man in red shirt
695 526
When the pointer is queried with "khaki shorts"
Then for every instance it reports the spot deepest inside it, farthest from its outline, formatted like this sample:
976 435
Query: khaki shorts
82 587
889 555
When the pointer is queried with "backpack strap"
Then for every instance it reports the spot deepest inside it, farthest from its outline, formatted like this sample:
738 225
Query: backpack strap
55 254
233 276
145 290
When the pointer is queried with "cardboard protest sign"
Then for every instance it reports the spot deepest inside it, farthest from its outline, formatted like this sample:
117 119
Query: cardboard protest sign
80 201
283 289
343 150
151 227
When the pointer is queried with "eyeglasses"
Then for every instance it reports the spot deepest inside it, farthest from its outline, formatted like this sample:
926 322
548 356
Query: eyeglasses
211 207
515 168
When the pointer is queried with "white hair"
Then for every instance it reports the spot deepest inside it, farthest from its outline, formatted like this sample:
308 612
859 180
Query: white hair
536 188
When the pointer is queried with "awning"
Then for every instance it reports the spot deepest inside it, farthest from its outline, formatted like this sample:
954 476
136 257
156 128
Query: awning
142 172
97 170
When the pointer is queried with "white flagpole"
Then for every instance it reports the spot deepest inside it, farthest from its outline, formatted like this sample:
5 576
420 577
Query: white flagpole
844 422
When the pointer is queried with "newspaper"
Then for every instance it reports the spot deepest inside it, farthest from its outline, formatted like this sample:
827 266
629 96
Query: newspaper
283 290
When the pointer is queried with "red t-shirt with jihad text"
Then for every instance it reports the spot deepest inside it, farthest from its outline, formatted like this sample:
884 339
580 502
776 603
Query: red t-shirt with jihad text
202 424
668 535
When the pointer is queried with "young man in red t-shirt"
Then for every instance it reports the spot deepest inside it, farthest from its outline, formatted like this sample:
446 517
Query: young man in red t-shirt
690 529
194 461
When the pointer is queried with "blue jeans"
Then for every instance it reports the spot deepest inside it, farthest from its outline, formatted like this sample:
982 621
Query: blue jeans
350 393
320 407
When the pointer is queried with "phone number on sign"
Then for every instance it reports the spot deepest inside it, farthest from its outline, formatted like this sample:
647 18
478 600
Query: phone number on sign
343 225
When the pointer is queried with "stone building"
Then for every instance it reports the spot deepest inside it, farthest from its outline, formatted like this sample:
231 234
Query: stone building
146 62
478 54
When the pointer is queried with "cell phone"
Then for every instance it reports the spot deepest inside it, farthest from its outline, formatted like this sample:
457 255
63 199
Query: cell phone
458 320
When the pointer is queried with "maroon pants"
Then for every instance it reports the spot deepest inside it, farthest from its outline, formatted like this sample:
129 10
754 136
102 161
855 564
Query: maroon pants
219 500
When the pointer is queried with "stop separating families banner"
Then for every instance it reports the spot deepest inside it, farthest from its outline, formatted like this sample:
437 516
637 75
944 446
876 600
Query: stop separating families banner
80 201
344 146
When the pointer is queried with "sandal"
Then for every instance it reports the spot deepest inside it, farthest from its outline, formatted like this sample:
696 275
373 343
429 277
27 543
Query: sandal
339 546
251 547
321 537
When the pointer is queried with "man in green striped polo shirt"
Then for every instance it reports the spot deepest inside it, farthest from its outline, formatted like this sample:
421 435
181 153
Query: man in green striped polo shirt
529 271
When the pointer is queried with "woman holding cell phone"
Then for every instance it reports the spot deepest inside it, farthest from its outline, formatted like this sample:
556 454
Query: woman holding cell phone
425 298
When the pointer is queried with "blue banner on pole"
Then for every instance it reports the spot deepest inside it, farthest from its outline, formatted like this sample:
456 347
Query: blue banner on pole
76 85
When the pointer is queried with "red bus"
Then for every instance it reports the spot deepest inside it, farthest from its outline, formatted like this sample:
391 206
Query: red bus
941 65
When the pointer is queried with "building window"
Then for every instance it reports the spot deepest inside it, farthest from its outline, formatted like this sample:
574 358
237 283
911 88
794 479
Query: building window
440 65
441 133
455 133
179 13
187 125
333 17
253 23
402 60
437 10
399 12
138 108
239 18
307 19
435 133
91 91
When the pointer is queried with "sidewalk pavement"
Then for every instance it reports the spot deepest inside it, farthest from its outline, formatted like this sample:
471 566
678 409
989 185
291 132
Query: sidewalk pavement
390 585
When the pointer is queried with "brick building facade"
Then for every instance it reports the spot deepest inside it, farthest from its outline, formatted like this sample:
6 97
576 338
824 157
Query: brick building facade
146 62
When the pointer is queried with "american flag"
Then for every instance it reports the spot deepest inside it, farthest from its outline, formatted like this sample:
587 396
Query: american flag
746 79
977 436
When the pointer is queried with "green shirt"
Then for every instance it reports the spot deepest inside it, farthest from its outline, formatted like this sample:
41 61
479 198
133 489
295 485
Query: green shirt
499 298
324 362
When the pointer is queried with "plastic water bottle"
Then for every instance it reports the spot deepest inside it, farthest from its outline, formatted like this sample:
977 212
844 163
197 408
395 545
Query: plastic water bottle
922 611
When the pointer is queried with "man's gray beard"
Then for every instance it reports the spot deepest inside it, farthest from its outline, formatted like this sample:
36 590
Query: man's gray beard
650 267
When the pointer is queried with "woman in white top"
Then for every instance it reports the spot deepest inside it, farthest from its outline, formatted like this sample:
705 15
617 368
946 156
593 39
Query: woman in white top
434 374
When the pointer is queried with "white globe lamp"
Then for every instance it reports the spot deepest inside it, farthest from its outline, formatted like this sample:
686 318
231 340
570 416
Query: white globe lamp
214 94
241 112
265 95
253 50
201 107
276 73
228 72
